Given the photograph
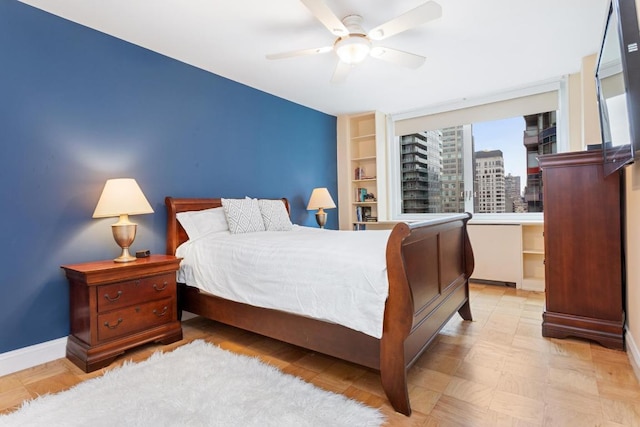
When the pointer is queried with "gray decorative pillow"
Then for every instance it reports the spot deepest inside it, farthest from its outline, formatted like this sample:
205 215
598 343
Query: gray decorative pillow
243 215
274 215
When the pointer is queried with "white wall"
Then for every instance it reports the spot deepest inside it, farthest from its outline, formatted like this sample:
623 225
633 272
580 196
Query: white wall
633 263
633 258
497 252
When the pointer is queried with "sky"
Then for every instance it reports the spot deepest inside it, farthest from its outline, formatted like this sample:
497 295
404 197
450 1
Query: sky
505 135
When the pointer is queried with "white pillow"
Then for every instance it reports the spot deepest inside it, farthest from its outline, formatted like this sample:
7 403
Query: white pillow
199 223
274 215
243 215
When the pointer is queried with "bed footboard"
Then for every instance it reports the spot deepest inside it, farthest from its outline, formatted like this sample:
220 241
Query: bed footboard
429 264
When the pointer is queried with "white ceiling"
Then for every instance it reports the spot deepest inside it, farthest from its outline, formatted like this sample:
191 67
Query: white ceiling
477 48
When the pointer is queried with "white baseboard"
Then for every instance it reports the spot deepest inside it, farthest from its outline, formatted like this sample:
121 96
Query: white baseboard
27 357
634 354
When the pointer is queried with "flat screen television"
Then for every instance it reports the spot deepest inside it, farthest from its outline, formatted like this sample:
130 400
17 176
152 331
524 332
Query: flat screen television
618 86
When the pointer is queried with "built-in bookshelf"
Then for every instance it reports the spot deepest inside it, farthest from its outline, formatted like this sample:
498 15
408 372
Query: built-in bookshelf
533 257
361 180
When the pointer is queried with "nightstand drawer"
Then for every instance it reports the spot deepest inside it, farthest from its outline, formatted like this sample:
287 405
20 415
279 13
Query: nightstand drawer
135 318
123 294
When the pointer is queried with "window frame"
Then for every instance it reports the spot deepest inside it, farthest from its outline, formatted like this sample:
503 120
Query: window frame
392 155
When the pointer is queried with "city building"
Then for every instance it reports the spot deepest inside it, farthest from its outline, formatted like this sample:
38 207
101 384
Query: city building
539 138
453 168
421 162
513 195
489 181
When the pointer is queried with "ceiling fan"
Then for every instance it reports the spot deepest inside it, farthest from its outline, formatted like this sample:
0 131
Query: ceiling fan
353 45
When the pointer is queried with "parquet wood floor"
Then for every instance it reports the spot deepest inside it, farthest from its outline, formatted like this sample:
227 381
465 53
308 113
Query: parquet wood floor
495 371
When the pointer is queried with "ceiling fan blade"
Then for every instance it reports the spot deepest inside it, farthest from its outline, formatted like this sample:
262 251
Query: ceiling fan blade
301 52
321 11
341 72
399 57
413 18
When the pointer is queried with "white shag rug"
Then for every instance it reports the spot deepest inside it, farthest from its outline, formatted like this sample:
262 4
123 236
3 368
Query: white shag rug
197 384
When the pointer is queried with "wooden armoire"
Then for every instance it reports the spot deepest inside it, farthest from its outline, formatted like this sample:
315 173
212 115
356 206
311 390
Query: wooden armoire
584 286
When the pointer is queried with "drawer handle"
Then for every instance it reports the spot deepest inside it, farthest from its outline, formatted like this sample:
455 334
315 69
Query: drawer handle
116 298
114 326
164 311
162 288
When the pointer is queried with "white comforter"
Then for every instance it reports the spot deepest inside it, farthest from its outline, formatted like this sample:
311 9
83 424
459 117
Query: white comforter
336 276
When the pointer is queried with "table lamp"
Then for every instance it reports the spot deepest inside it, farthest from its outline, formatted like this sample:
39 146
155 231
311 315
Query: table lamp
122 197
320 199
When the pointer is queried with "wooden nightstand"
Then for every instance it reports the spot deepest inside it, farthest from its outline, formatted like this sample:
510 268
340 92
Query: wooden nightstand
117 306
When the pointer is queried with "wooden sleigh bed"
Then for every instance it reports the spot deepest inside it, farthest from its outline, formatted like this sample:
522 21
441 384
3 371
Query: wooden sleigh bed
428 267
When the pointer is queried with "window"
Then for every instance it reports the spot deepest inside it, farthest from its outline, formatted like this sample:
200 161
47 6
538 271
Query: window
486 165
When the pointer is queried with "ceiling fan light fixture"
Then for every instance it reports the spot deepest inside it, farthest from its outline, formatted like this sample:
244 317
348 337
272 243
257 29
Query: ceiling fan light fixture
353 50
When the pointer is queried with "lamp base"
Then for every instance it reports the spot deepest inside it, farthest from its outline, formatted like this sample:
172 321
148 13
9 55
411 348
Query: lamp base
124 234
125 256
321 218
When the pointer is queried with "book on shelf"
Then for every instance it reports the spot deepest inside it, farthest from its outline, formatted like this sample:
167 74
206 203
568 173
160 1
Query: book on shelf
363 214
361 194
359 174
366 213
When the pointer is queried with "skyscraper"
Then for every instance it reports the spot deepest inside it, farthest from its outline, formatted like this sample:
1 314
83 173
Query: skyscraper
452 168
421 162
539 138
513 195
489 177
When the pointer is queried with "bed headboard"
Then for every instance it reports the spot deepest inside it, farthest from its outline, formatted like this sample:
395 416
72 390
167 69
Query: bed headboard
175 233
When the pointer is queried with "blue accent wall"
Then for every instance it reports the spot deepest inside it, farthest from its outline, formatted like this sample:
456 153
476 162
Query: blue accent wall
78 107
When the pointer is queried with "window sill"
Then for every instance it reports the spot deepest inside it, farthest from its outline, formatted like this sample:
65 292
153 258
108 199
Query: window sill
494 219
529 218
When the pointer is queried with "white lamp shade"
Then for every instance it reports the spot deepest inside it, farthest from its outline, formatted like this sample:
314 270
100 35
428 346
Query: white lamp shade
320 199
121 196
